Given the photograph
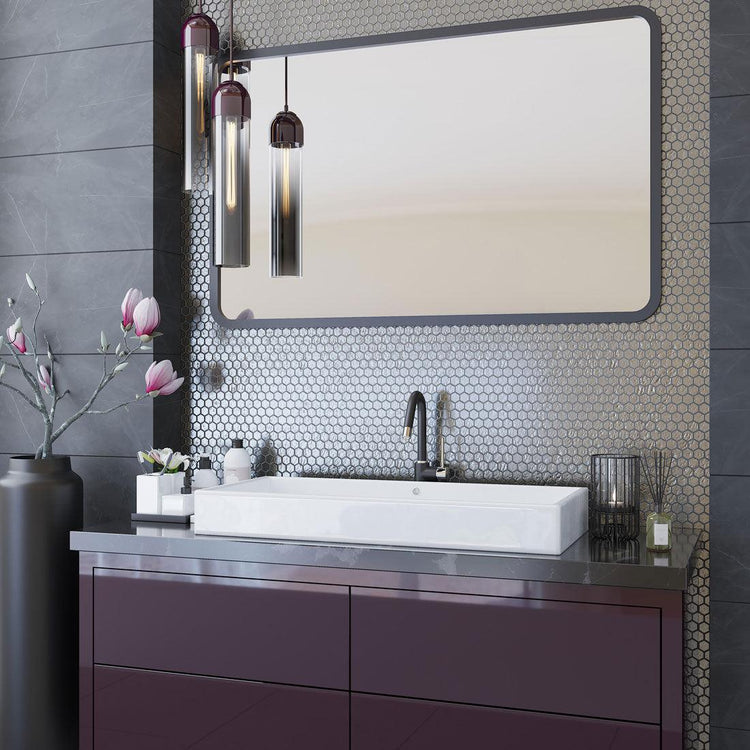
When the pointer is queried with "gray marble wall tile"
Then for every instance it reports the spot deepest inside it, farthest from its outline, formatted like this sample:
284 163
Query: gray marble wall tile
89 99
32 28
80 202
730 286
730 159
84 292
730 412
167 200
120 433
730 665
730 531
108 486
729 739
730 47
168 124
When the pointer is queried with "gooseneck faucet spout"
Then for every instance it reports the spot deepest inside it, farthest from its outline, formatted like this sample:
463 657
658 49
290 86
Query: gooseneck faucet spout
424 471
417 404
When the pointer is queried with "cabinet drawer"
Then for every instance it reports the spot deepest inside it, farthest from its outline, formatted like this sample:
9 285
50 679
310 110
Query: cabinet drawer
380 723
158 711
226 627
561 657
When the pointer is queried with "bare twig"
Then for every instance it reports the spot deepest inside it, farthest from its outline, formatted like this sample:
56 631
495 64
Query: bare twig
19 392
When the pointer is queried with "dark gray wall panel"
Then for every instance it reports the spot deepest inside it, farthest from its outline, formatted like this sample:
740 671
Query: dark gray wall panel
31 28
167 99
89 99
730 412
730 532
730 159
121 433
729 739
730 665
730 47
730 286
84 292
730 373
168 23
78 202
167 200
84 95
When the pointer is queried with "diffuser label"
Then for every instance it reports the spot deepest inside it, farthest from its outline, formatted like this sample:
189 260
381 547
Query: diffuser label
661 534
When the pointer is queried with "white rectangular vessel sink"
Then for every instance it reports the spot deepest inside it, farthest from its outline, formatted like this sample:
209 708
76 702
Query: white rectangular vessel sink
486 517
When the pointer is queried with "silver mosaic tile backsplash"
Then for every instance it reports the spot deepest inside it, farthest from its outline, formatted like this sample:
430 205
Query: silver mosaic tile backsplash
518 403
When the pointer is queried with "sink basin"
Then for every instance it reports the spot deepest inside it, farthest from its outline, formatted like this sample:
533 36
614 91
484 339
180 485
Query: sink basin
486 517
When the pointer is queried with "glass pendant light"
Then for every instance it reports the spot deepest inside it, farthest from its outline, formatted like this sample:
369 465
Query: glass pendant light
230 163
287 140
200 44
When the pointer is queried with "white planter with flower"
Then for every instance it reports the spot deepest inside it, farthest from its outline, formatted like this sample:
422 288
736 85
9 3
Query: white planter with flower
163 481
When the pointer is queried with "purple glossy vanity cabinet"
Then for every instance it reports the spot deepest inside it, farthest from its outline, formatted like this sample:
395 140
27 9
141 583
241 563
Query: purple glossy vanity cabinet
226 655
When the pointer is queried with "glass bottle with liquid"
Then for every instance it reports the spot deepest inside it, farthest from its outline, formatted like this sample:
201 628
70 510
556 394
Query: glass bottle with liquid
659 531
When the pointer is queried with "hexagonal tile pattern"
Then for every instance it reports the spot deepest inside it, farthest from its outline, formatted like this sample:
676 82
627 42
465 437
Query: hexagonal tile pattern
517 403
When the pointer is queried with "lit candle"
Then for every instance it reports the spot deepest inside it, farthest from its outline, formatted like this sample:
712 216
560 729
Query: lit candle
613 502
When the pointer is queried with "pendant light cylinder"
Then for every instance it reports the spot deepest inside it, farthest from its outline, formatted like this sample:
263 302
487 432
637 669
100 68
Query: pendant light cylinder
200 45
287 140
230 164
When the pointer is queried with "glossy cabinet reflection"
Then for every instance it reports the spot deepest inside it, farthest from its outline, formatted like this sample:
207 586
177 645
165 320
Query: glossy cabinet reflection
142 710
303 658
382 723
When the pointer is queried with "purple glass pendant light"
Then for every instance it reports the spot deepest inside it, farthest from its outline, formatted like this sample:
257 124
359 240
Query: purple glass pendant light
230 163
287 139
200 45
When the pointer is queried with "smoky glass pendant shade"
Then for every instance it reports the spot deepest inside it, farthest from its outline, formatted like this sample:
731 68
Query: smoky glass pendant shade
200 45
230 165
287 138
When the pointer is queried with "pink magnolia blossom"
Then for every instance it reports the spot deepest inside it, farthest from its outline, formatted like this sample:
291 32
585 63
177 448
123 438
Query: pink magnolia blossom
161 379
45 379
146 317
17 339
132 298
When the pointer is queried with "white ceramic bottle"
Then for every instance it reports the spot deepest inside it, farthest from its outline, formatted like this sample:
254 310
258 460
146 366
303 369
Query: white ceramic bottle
204 476
237 463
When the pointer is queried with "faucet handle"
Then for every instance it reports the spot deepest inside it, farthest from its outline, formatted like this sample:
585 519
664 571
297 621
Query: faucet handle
441 470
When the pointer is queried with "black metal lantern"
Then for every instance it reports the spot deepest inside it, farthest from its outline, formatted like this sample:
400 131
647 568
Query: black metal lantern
615 500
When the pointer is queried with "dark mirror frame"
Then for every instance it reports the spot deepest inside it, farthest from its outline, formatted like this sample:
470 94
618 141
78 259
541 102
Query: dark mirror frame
566 19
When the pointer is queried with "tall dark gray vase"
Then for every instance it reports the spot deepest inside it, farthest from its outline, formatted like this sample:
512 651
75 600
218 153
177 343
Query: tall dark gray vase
41 501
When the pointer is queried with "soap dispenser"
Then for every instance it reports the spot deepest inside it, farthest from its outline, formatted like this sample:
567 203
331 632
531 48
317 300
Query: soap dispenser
237 463
204 475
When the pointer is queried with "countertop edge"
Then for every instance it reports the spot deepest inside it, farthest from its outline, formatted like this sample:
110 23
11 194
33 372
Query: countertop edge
427 561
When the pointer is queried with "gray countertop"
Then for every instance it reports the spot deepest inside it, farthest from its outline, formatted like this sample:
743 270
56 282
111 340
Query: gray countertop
587 561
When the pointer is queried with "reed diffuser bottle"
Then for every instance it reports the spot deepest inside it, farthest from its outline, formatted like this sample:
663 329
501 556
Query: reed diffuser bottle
657 465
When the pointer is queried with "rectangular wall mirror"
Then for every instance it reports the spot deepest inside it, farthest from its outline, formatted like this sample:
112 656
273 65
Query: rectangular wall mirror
500 173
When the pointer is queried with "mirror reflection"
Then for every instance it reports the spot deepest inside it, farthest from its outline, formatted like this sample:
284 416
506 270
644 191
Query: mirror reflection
492 174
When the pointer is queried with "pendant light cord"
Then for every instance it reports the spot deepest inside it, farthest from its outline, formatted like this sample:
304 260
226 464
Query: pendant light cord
231 40
286 84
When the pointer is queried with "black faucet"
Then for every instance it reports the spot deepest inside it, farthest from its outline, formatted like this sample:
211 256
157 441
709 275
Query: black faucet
424 471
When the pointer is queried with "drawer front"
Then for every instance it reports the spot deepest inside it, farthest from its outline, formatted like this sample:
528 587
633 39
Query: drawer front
562 657
158 711
225 627
380 723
